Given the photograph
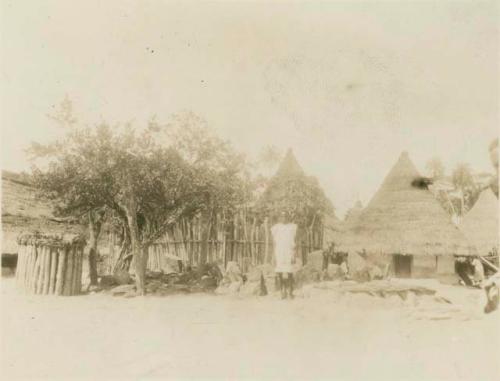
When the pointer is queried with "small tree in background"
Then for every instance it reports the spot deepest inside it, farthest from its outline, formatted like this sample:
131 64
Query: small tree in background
467 191
436 168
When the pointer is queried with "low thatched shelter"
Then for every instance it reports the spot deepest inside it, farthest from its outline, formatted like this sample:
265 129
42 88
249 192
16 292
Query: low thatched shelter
50 265
480 225
405 229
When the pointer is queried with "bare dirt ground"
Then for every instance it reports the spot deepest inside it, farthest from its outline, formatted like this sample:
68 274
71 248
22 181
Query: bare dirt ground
199 336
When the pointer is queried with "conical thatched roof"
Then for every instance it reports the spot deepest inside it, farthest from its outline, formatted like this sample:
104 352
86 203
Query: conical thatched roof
290 190
289 167
404 218
480 225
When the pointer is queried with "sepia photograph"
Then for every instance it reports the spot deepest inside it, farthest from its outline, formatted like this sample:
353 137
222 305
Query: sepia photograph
250 190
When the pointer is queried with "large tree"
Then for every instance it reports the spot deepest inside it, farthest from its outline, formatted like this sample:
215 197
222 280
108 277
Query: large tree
145 185
141 180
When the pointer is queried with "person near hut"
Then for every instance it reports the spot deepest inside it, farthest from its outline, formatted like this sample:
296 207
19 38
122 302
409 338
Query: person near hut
491 288
344 269
478 271
464 271
284 249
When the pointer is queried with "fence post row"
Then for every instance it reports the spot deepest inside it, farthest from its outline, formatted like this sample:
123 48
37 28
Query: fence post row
242 239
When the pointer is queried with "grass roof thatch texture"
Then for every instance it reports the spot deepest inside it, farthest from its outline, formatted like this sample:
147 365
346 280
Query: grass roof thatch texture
290 190
53 240
404 218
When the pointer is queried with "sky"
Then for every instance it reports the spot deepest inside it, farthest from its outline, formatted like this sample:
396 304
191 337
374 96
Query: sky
347 85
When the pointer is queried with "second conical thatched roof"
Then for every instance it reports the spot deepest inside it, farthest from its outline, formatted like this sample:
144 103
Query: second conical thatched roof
290 190
480 225
404 218
289 166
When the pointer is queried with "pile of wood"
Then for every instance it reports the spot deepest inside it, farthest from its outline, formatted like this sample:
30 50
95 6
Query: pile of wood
50 265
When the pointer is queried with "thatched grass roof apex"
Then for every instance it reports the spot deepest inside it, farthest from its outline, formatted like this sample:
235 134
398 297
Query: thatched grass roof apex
289 166
403 218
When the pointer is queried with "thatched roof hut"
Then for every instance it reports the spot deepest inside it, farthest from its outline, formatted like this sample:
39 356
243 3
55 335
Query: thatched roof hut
300 196
292 191
24 212
404 218
480 225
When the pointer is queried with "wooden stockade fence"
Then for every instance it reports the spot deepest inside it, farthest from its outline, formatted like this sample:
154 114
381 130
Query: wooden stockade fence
242 239
50 265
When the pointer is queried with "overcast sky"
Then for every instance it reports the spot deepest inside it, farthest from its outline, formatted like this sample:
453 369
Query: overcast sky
346 85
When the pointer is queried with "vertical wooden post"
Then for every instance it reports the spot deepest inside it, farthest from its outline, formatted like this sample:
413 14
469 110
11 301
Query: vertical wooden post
46 282
266 241
29 264
53 270
61 274
68 272
36 270
74 278
78 274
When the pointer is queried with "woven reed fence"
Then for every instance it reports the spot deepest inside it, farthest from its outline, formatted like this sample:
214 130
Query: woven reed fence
243 239
49 265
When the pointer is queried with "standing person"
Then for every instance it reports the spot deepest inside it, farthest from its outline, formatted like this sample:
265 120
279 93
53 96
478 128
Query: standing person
284 246
344 268
478 271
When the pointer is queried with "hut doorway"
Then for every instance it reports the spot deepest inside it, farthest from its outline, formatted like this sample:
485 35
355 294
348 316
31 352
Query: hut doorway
402 265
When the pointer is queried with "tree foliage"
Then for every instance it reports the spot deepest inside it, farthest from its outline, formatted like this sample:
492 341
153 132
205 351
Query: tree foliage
220 173
436 168
144 181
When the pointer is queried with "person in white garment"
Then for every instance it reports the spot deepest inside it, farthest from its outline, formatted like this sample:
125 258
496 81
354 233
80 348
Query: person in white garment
478 271
284 251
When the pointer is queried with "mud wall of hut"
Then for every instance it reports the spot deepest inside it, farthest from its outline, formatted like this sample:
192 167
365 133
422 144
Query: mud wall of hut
422 266
243 238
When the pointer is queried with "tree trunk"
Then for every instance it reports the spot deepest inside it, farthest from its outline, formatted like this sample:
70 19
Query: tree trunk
140 255
205 235
138 251
94 231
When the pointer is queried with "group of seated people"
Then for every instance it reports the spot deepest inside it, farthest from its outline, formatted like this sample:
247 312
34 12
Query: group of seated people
336 258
